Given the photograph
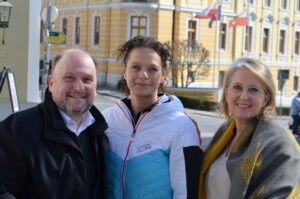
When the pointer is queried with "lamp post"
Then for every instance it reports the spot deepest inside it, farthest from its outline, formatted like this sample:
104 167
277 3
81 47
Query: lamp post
5 10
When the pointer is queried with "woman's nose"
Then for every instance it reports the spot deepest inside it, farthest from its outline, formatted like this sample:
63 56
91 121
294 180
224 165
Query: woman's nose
244 93
143 74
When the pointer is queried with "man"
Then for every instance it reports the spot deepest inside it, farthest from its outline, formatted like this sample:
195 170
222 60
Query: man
295 108
56 149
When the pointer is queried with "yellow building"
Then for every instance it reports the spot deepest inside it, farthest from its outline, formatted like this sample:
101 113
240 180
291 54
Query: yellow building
272 34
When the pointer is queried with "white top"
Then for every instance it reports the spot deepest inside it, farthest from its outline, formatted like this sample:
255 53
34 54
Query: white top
87 120
217 180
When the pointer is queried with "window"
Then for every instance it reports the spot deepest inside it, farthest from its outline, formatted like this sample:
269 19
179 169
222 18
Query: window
138 26
96 30
77 30
295 83
248 38
222 36
297 43
65 26
191 37
221 78
41 32
298 6
283 4
268 3
282 76
251 2
266 37
282 34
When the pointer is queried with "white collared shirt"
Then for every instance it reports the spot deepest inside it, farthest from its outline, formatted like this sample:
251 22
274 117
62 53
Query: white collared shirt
86 121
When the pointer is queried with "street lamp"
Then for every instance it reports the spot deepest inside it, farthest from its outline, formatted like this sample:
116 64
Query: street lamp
5 9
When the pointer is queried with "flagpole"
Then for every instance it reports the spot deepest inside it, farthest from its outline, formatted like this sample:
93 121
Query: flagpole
248 28
215 51
219 55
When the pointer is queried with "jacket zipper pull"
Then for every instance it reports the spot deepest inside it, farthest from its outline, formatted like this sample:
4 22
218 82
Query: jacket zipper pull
133 133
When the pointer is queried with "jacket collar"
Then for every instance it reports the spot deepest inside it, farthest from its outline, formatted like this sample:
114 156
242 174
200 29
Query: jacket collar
57 131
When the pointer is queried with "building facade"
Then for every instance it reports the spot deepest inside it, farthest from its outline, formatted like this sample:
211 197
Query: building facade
272 34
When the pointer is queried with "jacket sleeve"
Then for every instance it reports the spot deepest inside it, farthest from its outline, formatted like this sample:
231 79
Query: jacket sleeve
185 159
12 167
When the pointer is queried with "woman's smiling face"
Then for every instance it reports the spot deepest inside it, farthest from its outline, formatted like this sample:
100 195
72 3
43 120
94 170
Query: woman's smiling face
144 72
245 95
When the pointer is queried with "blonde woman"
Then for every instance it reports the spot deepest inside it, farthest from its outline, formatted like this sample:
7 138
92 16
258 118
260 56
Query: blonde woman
250 156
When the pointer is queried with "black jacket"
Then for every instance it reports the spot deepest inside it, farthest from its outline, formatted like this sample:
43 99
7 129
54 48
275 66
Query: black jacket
41 158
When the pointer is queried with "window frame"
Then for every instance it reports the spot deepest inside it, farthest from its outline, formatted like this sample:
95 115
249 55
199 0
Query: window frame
76 30
225 36
297 7
251 2
64 25
268 52
139 27
268 5
94 33
295 83
282 41
193 30
221 78
251 43
295 35
41 32
284 2
63 28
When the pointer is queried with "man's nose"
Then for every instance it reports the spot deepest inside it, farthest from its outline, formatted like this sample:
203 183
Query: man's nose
78 85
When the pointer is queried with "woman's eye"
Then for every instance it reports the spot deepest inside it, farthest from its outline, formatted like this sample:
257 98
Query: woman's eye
237 87
135 67
153 69
253 90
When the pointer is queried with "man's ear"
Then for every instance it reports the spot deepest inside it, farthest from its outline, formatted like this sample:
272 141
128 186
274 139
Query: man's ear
50 82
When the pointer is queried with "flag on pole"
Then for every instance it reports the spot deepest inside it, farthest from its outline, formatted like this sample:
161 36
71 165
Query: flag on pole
209 12
217 18
241 20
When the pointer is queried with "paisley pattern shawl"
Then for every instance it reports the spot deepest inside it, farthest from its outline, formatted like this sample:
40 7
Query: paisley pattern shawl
264 162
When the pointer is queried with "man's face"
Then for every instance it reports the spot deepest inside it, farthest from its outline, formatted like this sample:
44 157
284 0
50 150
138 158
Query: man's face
73 84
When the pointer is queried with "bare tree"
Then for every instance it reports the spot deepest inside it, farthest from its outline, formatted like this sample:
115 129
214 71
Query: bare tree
189 62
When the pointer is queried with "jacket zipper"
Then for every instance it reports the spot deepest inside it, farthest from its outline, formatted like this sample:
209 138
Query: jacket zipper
124 162
134 126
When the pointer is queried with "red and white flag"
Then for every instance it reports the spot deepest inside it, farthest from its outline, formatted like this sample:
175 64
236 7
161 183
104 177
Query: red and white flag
241 20
210 12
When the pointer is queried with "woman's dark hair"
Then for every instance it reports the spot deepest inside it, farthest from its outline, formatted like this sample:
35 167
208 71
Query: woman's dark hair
162 49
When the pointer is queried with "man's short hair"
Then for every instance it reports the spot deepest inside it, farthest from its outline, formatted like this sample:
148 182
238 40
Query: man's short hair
57 58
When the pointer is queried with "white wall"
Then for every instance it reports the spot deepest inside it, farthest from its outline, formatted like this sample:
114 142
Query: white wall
21 49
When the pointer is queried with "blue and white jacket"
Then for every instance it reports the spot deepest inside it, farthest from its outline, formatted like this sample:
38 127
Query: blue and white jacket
156 157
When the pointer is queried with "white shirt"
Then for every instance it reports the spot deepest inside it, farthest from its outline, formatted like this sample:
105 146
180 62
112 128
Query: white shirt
86 121
217 180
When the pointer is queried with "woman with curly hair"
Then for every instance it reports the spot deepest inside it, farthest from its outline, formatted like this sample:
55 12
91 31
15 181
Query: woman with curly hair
154 146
